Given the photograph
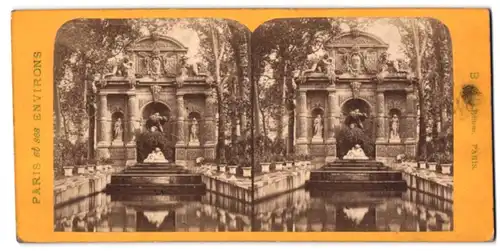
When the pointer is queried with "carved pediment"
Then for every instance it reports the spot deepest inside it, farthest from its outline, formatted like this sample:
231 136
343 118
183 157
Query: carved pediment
359 38
156 42
356 53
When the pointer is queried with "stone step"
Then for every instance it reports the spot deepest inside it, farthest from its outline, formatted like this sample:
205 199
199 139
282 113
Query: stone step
155 198
341 197
354 168
153 171
351 185
354 163
156 189
324 175
155 179
158 165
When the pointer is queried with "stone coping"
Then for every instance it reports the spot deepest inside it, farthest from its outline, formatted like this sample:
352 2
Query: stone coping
412 169
276 176
242 182
73 181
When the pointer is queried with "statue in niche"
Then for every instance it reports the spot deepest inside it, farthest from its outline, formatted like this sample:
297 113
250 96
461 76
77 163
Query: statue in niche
118 130
318 127
356 153
156 120
193 132
156 156
394 130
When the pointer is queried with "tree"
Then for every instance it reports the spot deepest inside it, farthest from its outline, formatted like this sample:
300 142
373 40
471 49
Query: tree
281 46
426 43
415 38
219 39
83 49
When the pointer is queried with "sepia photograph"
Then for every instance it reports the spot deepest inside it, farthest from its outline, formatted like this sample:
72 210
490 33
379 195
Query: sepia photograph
353 125
152 126
304 125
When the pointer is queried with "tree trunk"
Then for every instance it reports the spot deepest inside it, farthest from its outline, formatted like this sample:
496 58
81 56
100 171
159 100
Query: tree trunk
422 153
220 126
291 131
264 128
283 104
57 111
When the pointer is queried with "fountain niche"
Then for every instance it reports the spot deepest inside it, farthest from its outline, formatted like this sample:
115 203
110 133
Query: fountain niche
155 171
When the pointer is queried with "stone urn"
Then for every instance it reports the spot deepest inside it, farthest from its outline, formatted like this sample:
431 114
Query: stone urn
232 169
91 168
247 171
212 167
81 169
68 171
278 166
298 164
412 164
307 163
265 166
446 168
432 166
421 164
222 168
99 168
109 167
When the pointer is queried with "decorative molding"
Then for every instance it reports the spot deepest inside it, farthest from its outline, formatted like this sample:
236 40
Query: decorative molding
155 92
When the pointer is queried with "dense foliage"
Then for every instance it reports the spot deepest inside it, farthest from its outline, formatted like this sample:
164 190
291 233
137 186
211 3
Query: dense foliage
148 141
347 138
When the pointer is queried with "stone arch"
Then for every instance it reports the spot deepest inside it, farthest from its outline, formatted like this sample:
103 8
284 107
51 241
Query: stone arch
162 42
395 111
349 38
163 109
368 129
352 102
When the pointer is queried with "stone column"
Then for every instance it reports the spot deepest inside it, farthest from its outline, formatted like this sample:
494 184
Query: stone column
381 137
209 129
411 118
133 116
104 122
302 141
333 109
333 114
104 128
180 120
180 146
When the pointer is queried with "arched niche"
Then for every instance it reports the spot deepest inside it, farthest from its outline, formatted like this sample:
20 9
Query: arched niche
355 104
194 126
394 124
117 126
160 109
365 132
315 112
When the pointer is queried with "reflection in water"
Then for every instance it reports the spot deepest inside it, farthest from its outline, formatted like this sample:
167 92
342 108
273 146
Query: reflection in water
297 211
153 213
302 211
